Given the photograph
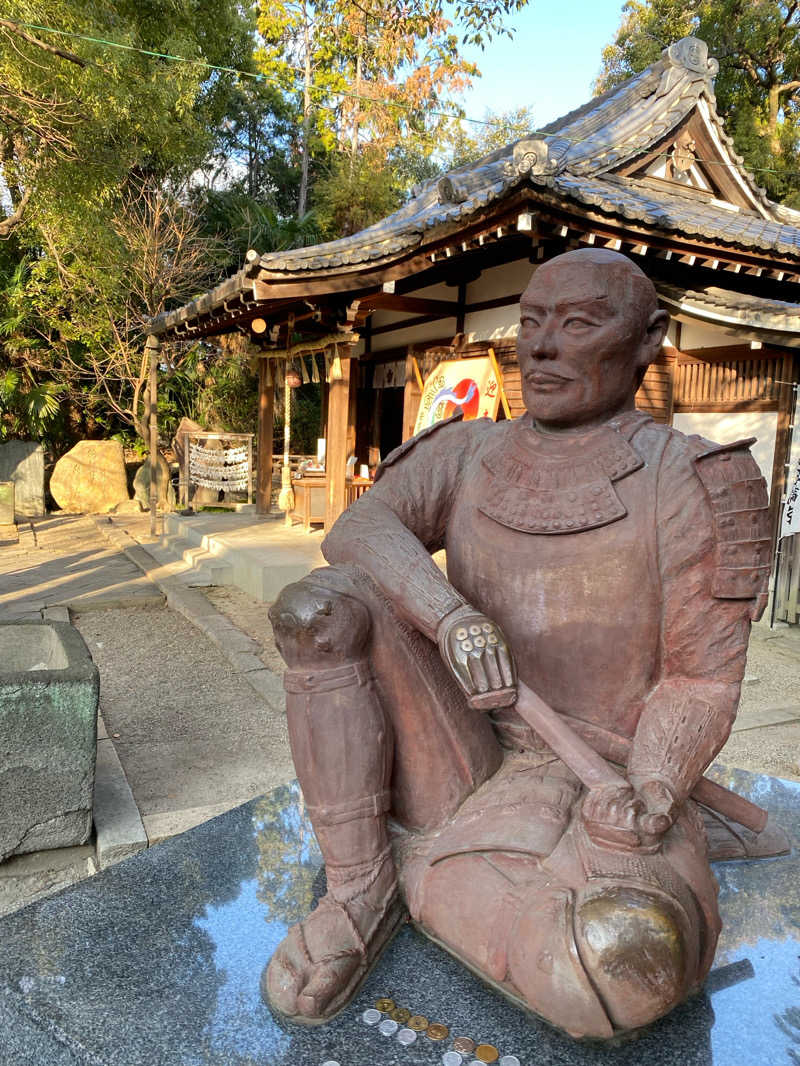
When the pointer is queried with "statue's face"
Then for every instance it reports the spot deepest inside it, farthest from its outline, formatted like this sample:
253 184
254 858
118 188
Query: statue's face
581 344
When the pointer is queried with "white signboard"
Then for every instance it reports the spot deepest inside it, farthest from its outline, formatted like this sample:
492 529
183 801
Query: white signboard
790 523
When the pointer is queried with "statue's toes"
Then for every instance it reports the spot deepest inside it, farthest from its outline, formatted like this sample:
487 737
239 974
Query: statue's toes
327 981
285 976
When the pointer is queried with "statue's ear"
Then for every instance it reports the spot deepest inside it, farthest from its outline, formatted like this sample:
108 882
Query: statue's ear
653 338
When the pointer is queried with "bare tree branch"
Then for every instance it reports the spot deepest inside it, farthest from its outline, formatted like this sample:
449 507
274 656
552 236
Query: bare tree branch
70 57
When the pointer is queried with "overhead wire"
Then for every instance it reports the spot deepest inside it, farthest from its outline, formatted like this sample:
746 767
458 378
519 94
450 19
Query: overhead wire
261 77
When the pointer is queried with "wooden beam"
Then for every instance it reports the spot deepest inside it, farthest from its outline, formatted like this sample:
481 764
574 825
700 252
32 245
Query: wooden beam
266 415
395 301
336 446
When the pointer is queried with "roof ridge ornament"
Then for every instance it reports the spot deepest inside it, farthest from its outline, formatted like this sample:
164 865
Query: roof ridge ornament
692 54
537 156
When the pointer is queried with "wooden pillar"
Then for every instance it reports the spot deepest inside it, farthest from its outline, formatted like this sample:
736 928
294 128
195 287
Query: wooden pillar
266 414
153 346
336 446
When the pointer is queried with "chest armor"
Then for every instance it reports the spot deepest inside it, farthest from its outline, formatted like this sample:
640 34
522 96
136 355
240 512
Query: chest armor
554 537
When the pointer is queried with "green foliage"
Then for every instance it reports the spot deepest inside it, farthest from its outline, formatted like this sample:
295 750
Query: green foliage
240 222
354 193
757 43
467 145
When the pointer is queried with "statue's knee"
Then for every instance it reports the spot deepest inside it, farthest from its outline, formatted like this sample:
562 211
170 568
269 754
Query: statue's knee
316 626
639 950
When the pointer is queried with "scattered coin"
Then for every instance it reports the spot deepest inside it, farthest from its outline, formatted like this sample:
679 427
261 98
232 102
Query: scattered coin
463 1045
436 1031
509 1060
487 1053
384 1005
418 1022
388 1027
451 1058
400 1014
406 1037
330 1062
371 1016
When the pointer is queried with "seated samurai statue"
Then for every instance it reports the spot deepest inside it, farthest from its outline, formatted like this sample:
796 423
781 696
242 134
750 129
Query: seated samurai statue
604 563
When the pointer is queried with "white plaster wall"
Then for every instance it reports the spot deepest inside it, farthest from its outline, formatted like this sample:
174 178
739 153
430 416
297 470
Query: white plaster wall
700 335
508 279
724 428
499 323
431 331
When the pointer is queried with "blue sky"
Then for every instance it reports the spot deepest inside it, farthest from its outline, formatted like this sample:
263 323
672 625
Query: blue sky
551 62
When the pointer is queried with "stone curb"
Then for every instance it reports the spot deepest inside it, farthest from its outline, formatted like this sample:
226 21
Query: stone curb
238 648
118 824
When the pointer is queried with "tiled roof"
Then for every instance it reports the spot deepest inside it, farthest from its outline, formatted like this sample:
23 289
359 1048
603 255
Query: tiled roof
570 161
734 307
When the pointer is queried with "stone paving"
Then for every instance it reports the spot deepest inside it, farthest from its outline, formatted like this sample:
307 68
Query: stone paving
61 560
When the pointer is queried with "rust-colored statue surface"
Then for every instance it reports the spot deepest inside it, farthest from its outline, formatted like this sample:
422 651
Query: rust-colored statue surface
507 753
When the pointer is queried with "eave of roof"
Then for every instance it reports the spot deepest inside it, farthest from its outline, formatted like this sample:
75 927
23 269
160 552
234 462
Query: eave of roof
732 308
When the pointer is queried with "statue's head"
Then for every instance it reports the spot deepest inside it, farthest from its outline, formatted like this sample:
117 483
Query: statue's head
589 328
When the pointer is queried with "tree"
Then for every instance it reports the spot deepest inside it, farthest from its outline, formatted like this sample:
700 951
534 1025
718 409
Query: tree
757 43
470 143
370 70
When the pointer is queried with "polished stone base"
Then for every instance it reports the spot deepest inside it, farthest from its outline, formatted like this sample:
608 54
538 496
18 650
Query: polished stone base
157 961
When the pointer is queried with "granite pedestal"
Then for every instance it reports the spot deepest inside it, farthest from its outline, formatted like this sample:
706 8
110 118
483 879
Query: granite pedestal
157 960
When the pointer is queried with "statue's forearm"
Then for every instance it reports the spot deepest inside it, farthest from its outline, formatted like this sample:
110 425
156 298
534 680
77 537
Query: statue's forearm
684 724
371 536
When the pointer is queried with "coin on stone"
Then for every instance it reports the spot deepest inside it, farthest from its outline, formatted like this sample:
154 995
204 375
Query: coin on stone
463 1045
418 1022
451 1058
384 1005
509 1060
406 1037
400 1014
437 1031
330 1062
487 1053
371 1016
388 1027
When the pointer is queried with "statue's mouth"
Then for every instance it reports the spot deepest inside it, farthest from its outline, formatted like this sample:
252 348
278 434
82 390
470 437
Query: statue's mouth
545 379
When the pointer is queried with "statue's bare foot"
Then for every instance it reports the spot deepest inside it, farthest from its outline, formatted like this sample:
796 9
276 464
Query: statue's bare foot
319 965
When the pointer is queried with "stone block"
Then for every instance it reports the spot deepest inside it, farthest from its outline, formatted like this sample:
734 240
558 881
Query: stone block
22 461
90 478
164 489
6 503
49 690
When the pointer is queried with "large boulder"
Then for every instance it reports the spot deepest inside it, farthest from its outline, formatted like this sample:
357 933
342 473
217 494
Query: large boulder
141 485
90 478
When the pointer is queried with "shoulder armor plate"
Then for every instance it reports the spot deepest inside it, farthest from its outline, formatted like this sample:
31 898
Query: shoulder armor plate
740 505
406 446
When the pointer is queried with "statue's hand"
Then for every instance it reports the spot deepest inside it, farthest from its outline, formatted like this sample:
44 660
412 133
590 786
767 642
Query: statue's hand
475 650
627 817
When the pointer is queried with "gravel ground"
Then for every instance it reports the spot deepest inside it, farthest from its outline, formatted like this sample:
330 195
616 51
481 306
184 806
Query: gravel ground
250 616
189 731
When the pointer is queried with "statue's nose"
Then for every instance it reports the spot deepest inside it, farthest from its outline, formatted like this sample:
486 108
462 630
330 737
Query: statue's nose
543 344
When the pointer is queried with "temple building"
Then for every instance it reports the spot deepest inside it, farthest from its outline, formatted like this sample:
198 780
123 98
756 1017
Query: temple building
646 169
